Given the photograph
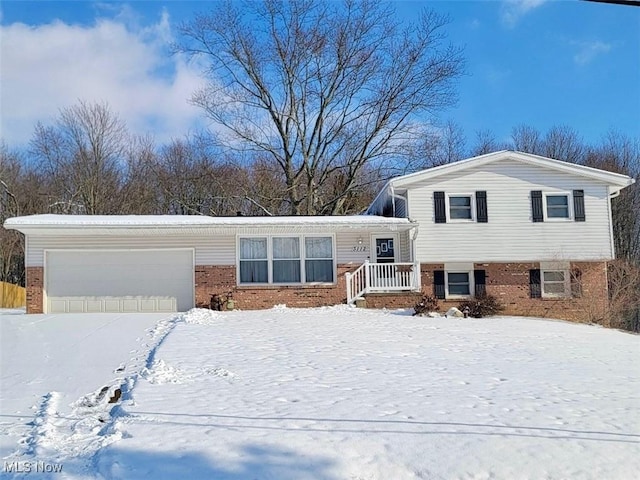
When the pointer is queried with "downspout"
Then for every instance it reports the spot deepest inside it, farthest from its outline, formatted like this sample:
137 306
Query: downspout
393 200
610 215
414 236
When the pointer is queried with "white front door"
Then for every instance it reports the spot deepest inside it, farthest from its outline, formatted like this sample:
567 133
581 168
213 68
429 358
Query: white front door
385 248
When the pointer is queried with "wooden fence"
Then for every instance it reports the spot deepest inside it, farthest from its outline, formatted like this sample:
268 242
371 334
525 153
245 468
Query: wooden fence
12 296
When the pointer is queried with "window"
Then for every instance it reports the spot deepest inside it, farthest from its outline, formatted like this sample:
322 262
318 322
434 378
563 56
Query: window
286 260
555 283
253 260
283 260
319 259
460 207
458 284
557 205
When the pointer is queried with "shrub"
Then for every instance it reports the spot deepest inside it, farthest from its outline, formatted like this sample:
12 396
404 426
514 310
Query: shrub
482 306
428 304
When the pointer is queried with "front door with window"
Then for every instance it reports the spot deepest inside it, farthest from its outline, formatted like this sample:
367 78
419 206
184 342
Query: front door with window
385 251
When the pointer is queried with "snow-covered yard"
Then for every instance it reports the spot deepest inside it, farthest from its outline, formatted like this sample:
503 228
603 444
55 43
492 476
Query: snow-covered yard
335 393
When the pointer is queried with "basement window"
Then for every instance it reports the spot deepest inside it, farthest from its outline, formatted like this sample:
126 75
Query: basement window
458 284
556 284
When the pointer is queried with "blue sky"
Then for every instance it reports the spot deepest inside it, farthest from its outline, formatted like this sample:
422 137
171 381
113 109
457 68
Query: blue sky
534 62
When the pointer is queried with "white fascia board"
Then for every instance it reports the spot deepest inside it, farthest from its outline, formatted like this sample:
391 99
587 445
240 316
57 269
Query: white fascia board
193 225
610 178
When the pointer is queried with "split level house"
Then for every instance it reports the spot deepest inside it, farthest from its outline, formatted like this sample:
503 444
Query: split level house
534 232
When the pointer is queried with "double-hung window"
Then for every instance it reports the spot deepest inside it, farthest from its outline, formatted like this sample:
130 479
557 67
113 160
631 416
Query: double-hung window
458 284
557 206
460 207
555 284
319 259
254 263
286 260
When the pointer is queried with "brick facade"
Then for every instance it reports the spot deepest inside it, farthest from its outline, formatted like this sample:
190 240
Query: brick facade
221 280
35 288
509 283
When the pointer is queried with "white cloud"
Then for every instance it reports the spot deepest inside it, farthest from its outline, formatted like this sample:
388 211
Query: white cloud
49 67
587 51
513 10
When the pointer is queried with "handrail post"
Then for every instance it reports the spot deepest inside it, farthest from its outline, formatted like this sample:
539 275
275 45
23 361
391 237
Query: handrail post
347 277
367 276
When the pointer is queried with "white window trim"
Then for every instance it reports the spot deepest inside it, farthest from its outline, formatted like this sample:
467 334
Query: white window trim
374 247
567 283
569 196
472 206
303 257
270 260
447 295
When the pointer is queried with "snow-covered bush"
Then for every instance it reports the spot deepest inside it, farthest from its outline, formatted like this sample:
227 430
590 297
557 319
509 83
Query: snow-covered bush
429 303
481 306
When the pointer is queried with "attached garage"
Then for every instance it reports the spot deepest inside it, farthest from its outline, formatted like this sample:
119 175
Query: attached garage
141 280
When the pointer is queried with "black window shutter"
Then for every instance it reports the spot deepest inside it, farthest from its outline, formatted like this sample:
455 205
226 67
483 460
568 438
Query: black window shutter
439 207
481 207
534 283
438 284
576 283
479 279
536 206
578 206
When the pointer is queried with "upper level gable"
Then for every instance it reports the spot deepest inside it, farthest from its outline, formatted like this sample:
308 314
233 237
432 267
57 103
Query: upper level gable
505 173
507 160
495 171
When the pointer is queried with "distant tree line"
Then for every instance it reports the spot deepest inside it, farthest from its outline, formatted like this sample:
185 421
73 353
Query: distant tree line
87 162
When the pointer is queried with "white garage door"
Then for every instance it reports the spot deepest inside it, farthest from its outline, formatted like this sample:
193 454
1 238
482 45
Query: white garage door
119 281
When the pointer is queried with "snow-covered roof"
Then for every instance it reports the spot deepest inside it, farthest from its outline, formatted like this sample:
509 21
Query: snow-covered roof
50 223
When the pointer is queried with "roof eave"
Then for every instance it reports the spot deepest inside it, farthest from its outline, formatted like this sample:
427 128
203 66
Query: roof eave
610 178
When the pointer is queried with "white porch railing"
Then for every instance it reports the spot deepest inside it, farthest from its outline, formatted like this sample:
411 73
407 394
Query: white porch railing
382 278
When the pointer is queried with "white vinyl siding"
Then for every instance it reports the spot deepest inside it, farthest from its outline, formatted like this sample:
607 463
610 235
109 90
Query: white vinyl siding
510 234
354 247
211 250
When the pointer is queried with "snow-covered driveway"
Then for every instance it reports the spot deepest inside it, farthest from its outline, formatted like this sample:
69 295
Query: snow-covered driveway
340 393
50 366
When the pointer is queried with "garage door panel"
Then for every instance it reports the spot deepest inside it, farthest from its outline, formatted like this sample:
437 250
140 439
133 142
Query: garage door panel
119 281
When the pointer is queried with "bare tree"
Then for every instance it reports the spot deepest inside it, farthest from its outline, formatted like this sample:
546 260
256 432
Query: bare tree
323 89
486 142
526 139
443 145
563 143
83 155
620 154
